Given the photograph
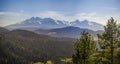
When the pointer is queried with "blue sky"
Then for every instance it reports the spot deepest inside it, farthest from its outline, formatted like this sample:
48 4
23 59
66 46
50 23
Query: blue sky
13 11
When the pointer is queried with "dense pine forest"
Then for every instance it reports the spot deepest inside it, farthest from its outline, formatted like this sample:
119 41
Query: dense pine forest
26 47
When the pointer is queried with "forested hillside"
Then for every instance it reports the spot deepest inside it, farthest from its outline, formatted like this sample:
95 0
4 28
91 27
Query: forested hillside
24 47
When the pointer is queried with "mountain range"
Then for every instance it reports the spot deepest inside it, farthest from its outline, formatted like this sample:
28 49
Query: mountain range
35 23
70 31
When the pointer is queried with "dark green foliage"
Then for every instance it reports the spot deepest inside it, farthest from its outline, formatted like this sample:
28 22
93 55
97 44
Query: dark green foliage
84 47
25 47
2 53
109 41
6 56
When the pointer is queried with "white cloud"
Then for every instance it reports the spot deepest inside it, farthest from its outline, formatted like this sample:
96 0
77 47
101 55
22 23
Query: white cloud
86 14
2 13
52 14
10 14
110 8
62 16
80 16
7 18
22 11
92 16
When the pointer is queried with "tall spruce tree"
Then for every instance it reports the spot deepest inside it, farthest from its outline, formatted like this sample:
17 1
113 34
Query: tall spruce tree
109 41
83 47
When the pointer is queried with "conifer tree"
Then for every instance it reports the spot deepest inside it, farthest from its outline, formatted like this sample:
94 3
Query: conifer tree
83 47
109 41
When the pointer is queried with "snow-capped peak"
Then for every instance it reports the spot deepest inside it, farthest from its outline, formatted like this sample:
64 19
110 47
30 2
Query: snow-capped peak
39 22
90 23
48 23
57 22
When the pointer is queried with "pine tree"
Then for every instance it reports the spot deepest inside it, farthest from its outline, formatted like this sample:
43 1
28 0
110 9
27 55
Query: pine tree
109 41
83 47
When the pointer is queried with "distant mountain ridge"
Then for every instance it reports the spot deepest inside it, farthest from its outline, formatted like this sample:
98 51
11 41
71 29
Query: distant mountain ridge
37 23
70 31
87 25
48 23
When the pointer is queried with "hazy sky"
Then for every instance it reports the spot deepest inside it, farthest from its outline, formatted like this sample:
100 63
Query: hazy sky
13 11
